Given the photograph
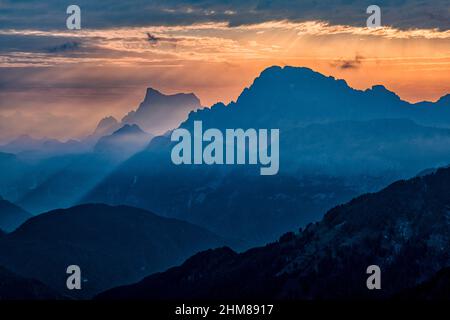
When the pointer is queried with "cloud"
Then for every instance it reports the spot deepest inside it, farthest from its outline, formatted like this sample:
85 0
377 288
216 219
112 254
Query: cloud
154 40
67 46
213 48
204 42
348 64
50 14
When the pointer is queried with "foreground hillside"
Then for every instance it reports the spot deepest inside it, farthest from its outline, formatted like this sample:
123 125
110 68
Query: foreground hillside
404 229
14 287
111 245
11 216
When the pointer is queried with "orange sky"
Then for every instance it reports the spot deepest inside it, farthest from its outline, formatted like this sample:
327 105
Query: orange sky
109 71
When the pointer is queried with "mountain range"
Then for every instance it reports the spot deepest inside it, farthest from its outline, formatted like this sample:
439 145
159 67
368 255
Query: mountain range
28 147
288 97
14 287
335 143
123 142
118 207
435 289
159 112
67 180
111 245
404 229
45 174
11 216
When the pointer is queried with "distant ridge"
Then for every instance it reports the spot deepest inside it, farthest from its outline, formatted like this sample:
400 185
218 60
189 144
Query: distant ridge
112 246
335 143
123 142
11 215
160 112
283 97
404 229
14 287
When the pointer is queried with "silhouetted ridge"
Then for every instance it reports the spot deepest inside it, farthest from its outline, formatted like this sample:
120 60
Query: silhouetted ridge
335 143
159 112
154 96
437 288
403 229
14 287
11 215
129 129
112 245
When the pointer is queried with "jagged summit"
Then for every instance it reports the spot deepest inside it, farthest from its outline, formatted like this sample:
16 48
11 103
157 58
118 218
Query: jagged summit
153 98
129 129
159 112
106 123
123 142
286 97
153 94
106 126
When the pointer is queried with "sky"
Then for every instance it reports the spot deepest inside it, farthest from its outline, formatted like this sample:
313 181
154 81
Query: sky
59 83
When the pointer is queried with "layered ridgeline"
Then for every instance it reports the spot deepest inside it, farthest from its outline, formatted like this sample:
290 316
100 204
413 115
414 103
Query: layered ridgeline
290 97
65 185
59 177
160 112
14 287
112 246
31 148
123 142
404 229
31 166
436 288
335 143
11 216
12 169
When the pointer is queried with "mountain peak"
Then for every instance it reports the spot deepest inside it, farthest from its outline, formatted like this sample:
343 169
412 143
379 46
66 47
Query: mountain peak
290 71
107 122
129 129
380 89
25 138
151 92
105 126
296 79
159 112
153 95
124 142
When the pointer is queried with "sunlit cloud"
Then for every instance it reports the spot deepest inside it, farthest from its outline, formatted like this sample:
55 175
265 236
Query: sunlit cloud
210 41
92 73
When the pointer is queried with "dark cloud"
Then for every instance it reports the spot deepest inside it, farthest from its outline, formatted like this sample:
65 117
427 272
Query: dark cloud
50 14
154 40
67 46
348 64
36 44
